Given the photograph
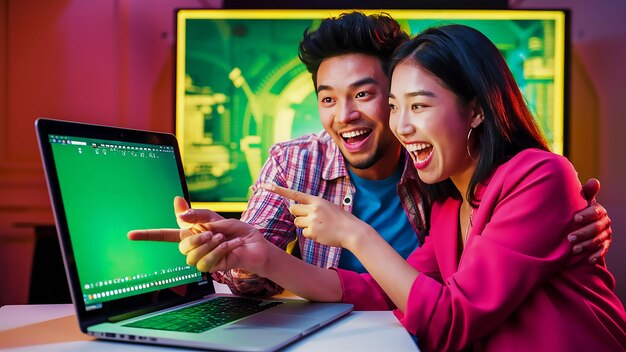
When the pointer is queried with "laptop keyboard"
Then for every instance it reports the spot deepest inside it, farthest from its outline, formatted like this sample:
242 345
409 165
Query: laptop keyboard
204 316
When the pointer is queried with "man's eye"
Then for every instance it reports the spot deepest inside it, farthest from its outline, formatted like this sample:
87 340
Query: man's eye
362 94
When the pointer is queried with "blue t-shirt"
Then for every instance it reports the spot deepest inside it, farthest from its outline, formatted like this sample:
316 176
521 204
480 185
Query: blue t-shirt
377 203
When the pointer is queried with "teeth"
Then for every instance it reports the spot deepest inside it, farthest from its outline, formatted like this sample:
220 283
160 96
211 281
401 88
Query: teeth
416 147
353 134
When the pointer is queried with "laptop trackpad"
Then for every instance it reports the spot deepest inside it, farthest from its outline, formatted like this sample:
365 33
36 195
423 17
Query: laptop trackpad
302 323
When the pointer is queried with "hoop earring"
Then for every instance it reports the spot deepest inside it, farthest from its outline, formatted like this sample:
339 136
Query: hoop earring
467 144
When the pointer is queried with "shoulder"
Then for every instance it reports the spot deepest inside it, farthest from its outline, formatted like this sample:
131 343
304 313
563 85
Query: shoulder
537 156
537 169
536 161
314 153
313 142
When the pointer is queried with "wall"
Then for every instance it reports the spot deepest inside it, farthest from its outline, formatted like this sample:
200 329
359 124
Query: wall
598 103
108 62
112 62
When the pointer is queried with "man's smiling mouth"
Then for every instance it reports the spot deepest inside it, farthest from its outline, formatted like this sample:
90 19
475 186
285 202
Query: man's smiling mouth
356 135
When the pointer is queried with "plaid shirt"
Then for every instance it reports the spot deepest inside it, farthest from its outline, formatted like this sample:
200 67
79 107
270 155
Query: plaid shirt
311 164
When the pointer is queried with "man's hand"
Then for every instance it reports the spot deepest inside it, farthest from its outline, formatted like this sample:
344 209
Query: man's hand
594 233
190 221
209 241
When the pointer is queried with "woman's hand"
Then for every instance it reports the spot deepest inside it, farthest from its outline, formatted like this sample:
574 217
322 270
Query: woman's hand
321 220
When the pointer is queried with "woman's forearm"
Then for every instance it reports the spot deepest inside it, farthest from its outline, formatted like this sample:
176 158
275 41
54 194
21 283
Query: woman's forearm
394 275
305 280
313 283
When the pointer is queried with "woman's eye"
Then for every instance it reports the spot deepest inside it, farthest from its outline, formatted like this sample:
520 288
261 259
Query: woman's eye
416 106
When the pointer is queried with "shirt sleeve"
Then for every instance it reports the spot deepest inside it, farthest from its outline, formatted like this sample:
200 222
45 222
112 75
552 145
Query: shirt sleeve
518 243
269 213
244 283
365 293
362 291
425 261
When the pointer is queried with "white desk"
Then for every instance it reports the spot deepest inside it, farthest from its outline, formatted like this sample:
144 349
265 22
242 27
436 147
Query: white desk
54 328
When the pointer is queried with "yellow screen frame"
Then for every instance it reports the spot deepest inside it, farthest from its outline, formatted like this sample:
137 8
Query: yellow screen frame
559 17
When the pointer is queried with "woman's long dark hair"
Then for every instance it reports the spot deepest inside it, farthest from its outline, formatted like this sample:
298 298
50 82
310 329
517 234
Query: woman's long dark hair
471 66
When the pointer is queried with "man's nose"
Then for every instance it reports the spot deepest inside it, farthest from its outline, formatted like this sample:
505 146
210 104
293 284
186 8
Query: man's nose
347 113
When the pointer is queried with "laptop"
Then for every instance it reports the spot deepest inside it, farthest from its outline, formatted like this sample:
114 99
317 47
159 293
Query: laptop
104 181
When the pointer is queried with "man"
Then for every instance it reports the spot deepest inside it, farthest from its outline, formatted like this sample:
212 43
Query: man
356 162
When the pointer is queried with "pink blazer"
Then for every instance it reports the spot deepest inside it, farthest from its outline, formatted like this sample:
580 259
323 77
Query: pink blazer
516 286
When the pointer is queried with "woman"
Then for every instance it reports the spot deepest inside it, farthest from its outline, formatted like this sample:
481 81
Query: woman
495 272
499 277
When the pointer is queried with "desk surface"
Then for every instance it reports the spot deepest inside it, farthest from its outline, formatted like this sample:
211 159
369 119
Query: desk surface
53 327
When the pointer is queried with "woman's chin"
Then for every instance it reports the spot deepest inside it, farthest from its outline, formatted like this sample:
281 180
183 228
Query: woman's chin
428 178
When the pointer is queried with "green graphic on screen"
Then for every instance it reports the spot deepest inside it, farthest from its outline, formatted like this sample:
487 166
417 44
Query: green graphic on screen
109 188
241 86
245 90
529 49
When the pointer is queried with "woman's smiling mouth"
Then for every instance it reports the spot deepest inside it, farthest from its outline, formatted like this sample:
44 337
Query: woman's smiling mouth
421 153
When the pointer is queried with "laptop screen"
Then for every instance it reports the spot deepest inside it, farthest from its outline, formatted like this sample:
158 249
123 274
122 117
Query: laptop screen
109 188
105 181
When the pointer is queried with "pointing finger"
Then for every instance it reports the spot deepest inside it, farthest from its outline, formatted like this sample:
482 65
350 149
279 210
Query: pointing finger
288 193
160 235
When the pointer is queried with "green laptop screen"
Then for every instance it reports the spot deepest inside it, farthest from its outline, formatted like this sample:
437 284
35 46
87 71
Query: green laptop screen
109 188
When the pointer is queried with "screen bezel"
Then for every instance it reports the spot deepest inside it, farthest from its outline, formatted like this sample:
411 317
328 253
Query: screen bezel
125 307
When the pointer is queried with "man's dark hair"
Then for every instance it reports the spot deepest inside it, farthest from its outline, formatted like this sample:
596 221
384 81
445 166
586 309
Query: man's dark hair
377 35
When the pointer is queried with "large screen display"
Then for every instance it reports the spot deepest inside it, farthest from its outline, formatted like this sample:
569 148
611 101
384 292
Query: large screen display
240 86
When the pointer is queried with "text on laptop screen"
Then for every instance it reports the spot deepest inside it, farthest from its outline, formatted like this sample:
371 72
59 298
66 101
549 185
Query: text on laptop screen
110 188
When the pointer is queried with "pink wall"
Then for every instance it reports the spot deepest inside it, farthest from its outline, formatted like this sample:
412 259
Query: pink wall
597 108
111 62
108 62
